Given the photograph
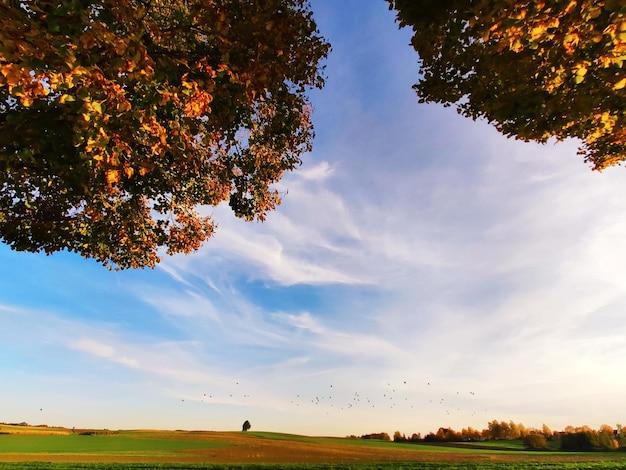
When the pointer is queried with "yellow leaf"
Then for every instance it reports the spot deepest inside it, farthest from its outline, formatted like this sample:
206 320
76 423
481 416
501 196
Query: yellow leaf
55 79
570 42
516 45
619 85
123 106
570 7
580 70
537 32
95 106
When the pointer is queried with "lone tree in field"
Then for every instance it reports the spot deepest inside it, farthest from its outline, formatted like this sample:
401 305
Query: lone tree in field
120 118
246 426
534 68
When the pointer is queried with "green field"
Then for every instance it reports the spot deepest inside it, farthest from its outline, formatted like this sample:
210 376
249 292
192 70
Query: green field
123 443
179 450
377 466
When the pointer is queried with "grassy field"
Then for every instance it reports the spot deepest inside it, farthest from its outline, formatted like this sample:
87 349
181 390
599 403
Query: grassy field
122 444
15 429
359 466
515 444
178 450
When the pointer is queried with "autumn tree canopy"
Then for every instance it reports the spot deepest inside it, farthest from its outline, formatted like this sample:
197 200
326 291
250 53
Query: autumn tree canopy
120 119
534 68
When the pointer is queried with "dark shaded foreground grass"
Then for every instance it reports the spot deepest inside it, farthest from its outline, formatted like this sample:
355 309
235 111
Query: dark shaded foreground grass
378 466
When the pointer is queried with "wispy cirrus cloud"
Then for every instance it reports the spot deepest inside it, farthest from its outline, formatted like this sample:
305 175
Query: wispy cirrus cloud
289 248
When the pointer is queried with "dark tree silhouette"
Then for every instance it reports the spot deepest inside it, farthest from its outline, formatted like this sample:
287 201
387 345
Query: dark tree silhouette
246 426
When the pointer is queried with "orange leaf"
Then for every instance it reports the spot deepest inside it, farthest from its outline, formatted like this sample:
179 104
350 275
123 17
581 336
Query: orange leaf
113 176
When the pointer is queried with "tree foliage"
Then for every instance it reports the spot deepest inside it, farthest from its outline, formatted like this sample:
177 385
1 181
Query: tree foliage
120 118
579 439
620 435
534 68
382 436
583 439
246 426
535 441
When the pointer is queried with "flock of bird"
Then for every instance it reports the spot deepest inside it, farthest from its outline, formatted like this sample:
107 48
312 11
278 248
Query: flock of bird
393 396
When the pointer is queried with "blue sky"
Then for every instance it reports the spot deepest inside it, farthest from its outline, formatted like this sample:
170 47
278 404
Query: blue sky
422 271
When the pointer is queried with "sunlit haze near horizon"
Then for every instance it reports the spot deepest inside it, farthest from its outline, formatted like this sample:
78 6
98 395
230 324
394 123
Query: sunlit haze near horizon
422 271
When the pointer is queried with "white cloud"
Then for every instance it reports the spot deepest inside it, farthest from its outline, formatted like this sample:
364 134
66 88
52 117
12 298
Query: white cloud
304 321
7 308
319 172
93 347
281 251
185 304
276 263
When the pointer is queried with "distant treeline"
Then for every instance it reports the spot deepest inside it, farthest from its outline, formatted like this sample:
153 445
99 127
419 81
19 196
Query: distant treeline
383 436
578 439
